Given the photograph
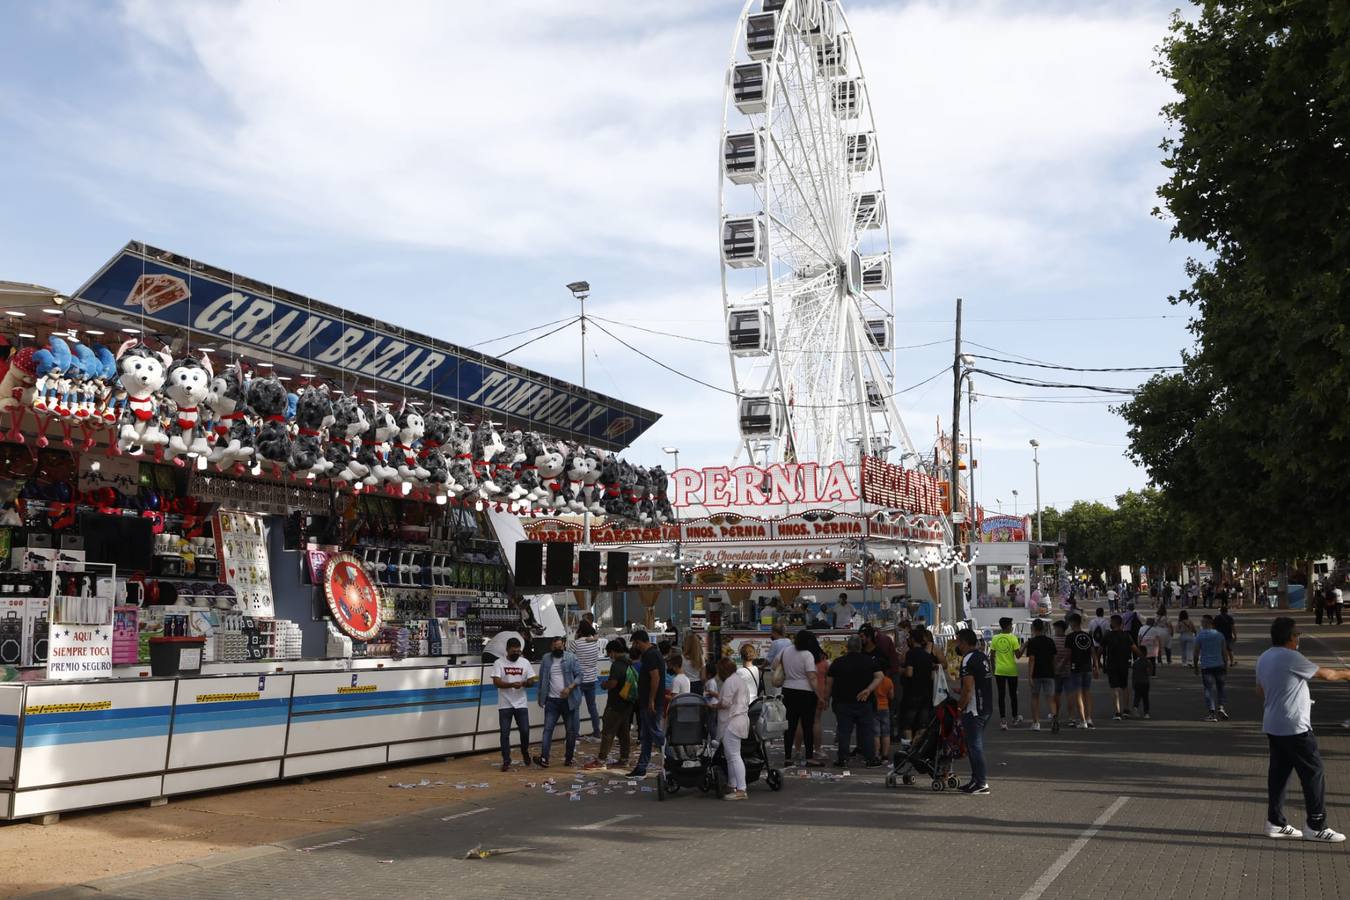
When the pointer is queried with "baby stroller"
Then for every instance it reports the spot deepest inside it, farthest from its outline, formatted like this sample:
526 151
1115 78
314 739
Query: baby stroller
939 744
687 754
754 753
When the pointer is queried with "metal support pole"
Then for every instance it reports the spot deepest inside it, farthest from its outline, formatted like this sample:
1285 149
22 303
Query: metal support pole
1036 457
958 600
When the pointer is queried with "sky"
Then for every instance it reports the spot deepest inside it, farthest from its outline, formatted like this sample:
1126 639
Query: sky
451 166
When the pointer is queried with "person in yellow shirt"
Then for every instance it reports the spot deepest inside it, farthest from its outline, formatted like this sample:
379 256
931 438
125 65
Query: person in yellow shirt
1006 648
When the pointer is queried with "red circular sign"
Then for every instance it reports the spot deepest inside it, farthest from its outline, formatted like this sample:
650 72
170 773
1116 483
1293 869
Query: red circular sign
353 598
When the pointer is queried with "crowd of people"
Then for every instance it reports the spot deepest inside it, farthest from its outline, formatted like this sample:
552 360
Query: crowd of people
881 693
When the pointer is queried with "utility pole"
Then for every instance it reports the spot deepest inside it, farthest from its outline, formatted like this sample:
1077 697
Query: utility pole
953 490
581 290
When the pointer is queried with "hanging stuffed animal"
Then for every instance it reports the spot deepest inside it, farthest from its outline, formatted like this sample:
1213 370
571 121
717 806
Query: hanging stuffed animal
504 466
662 511
487 445
17 388
462 478
578 469
268 401
435 434
52 362
594 491
375 453
344 437
234 434
99 390
313 416
87 368
188 385
527 470
411 427
549 464
141 371
609 488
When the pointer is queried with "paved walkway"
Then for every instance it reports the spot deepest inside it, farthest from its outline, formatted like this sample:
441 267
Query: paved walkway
1170 807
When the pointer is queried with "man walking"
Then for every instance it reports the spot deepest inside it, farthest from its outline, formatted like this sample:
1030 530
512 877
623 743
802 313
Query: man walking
618 719
1083 665
559 695
586 648
511 674
651 705
1211 660
1282 675
1041 651
1118 651
850 682
977 701
1006 648
1224 625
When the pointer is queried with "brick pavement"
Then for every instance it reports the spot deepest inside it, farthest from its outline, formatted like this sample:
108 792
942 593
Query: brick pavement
1189 828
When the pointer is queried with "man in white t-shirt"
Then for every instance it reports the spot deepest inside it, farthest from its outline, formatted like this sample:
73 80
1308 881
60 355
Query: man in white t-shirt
1282 676
511 674
842 613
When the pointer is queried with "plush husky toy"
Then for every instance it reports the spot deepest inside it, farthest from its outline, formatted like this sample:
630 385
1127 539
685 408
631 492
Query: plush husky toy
234 434
463 480
344 437
268 401
435 435
141 371
188 385
411 427
313 416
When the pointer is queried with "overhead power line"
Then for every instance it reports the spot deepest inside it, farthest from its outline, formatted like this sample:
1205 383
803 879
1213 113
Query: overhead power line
699 340
1032 382
519 333
1042 365
569 322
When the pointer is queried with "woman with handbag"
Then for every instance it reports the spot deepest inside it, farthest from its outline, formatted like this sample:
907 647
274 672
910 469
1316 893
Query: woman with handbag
733 724
795 672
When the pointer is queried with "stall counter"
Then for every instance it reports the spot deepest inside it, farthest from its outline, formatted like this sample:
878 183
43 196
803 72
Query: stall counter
67 745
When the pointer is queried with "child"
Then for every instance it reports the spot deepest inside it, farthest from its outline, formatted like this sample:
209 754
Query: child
1142 665
679 682
884 692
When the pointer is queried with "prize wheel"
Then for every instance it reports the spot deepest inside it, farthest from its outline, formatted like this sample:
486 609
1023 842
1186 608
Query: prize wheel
805 243
353 599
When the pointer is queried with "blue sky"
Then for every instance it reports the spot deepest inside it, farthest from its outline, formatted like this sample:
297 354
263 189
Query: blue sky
452 166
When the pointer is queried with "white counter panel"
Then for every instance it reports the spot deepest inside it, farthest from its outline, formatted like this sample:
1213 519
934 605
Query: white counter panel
11 704
83 796
88 730
221 776
228 720
337 710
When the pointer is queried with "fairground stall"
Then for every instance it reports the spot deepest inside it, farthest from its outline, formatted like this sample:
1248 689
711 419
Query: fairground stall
751 546
246 534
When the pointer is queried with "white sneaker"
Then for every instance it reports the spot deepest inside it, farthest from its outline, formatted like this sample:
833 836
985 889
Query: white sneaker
1282 831
1035 726
1019 721
1003 724
1326 836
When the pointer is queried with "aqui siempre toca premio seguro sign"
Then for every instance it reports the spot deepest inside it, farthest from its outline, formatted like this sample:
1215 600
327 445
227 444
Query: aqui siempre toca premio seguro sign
162 286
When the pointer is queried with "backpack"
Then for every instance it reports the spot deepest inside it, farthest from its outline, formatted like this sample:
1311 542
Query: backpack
629 690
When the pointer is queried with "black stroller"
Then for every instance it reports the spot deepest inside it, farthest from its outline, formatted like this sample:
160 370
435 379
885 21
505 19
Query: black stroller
687 754
939 744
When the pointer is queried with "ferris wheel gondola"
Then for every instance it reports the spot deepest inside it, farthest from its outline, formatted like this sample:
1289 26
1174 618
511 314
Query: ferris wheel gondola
805 244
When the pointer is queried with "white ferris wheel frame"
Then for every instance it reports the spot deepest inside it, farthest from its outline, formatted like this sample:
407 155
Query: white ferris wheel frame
851 345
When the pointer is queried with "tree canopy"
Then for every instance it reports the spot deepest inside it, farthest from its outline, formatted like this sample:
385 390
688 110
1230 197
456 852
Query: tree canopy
1248 443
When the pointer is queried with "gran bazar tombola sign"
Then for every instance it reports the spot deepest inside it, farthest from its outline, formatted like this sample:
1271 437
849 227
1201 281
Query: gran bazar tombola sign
164 287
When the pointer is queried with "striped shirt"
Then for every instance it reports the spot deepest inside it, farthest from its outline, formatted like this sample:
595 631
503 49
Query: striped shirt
587 652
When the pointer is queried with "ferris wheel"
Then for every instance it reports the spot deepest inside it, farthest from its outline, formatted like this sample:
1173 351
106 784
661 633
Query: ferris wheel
805 247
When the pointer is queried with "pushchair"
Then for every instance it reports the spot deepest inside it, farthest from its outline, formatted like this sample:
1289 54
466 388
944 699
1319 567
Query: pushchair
754 753
686 755
939 744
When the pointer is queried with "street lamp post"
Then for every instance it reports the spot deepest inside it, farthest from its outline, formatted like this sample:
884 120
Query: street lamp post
679 546
1014 493
1036 458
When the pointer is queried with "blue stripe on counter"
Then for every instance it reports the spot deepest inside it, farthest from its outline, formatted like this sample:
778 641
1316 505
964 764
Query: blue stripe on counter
9 730
235 714
325 703
151 726
401 710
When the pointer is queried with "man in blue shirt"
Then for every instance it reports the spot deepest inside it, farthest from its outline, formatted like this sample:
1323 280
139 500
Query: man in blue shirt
1282 675
1212 659
559 695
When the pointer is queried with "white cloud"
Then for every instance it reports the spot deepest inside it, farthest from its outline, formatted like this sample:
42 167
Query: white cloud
1017 139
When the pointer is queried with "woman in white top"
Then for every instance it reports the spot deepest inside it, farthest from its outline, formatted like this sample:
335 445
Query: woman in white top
1150 639
749 671
733 724
1166 625
798 667
586 648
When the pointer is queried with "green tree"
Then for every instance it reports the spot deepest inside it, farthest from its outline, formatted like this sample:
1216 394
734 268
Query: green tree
1249 442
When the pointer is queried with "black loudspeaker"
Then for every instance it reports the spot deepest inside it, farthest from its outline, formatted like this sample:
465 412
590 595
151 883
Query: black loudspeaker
588 569
529 564
558 564
616 573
